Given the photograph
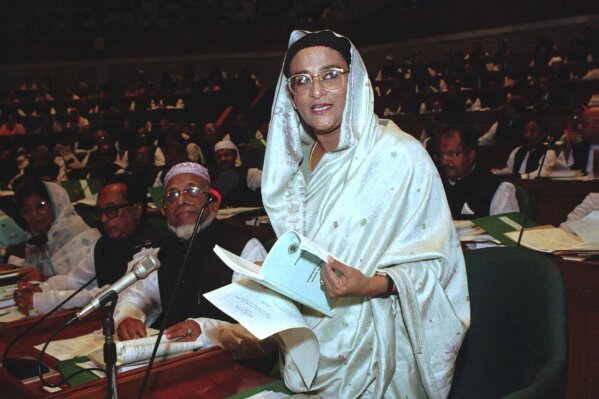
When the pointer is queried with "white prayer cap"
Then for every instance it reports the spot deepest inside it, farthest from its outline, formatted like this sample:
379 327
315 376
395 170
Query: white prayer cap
226 145
187 167
555 60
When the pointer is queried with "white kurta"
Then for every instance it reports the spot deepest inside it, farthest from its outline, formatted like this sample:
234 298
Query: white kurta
377 202
142 301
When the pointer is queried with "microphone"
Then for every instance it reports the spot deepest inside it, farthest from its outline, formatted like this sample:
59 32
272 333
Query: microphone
140 270
214 196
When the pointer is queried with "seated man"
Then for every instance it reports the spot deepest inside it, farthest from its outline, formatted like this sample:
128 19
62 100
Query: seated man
192 317
527 160
121 210
471 192
582 152
234 181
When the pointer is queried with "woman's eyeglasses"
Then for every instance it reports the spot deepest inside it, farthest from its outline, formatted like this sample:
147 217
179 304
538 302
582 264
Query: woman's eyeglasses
110 211
331 79
27 211
192 192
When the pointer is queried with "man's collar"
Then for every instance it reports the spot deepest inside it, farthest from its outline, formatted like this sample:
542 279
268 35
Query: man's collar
452 182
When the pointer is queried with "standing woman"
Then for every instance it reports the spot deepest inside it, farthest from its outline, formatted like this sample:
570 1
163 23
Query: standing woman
60 238
369 193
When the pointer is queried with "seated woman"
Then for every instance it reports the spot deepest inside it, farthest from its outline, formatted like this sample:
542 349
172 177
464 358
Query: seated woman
59 237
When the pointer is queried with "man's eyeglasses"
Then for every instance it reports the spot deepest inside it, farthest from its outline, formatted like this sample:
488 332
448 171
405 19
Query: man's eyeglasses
110 211
192 192
331 79
449 155
27 211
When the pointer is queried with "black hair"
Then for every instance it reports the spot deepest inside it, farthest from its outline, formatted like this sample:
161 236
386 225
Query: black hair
30 186
135 193
325 38
468 138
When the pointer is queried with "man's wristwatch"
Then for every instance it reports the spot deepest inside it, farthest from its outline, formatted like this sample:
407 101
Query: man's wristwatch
389 283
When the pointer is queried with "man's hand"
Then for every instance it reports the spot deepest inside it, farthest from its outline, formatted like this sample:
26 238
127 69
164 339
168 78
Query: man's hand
24 296
185 331
340 280
30 273
130 329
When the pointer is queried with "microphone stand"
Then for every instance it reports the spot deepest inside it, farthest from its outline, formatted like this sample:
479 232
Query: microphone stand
211 199
38 322
109 345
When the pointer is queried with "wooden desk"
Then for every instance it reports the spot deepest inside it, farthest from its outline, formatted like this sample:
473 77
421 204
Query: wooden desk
581 281
211 373
9 330
553 200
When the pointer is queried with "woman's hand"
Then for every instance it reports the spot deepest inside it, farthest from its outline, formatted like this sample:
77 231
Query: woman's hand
340 280
24 296
184 331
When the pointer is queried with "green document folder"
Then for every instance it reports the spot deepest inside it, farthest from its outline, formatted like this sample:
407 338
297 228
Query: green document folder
79 189
275 386
69 367
496 227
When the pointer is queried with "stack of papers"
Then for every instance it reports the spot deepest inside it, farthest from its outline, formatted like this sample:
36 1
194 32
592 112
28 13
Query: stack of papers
551 239
7 274
128 352
6 296
555 240
469 232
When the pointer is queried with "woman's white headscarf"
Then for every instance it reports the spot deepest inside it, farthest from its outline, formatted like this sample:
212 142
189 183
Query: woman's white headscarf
69 238
377 203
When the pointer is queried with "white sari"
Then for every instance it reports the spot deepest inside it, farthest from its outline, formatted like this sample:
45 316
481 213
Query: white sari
377 203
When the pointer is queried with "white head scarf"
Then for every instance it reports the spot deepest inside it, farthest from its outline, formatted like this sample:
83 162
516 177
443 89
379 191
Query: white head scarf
69 239
287 134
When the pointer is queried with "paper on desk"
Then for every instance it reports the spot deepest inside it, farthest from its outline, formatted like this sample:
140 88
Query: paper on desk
587 228
139 350
264 312
91 365
547 239
12 314
65 349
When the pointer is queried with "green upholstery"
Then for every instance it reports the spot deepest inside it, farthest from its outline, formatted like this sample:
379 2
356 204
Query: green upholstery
516 346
